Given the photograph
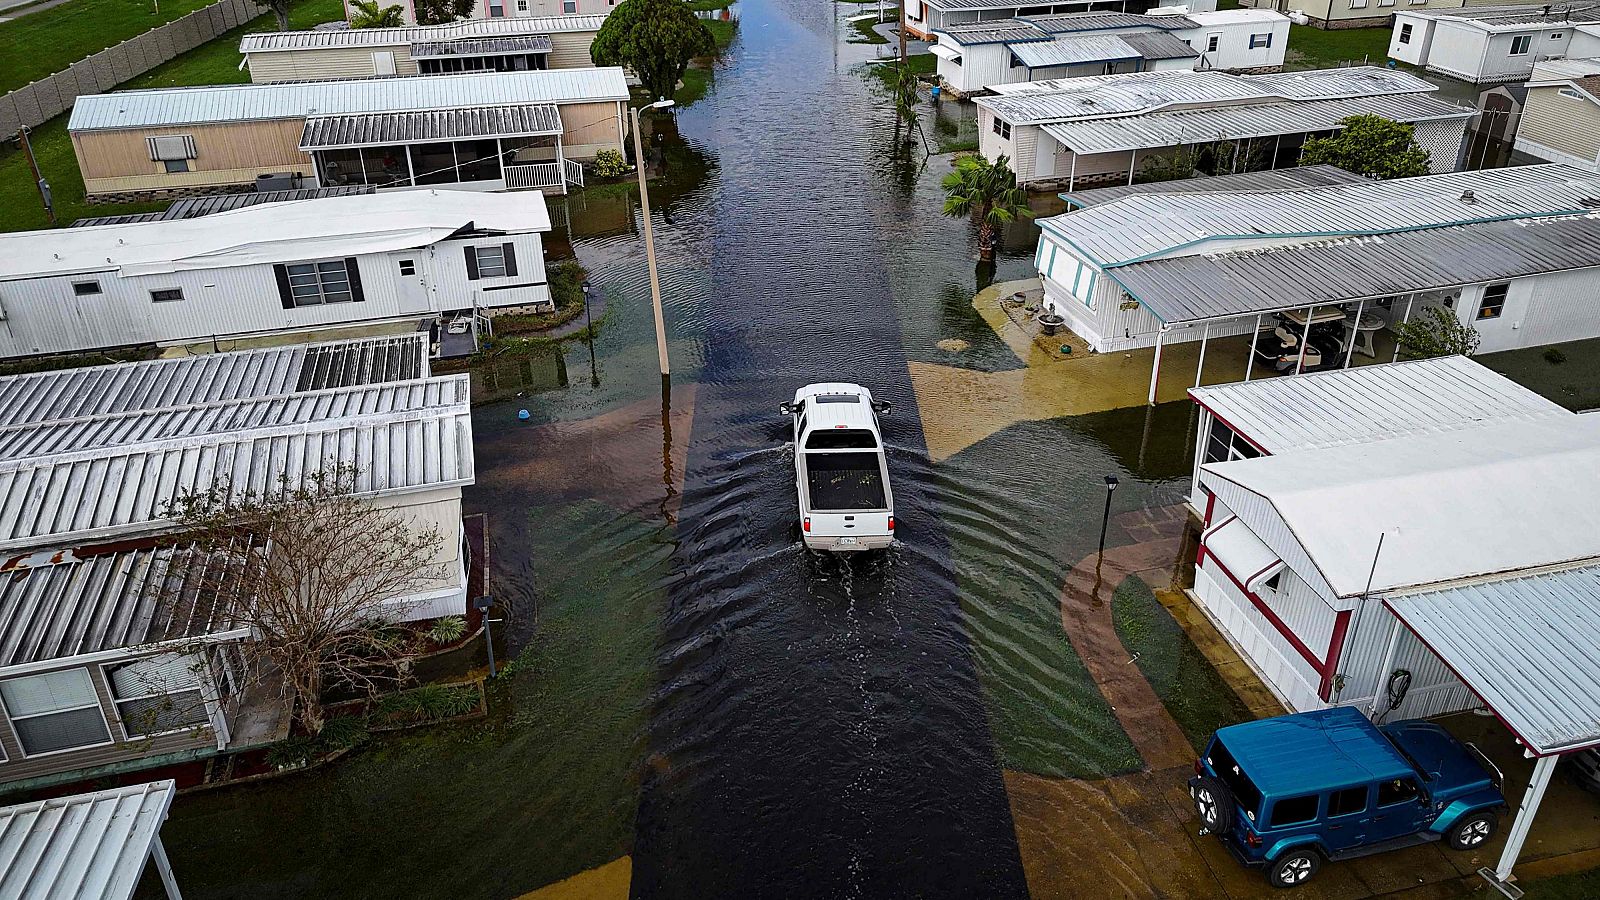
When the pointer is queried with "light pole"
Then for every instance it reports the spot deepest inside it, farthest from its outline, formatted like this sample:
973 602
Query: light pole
1111 486
482 605
649 238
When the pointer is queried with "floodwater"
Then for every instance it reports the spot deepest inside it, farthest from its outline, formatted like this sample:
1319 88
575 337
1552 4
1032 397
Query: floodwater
694 690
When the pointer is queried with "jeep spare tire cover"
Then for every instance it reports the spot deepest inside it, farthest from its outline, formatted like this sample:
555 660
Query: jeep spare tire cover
1213 802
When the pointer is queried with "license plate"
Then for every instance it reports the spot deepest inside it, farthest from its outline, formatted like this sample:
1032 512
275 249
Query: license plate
847 542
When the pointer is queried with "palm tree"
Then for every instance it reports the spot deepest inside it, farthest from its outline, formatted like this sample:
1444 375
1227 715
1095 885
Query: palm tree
367 14
988 192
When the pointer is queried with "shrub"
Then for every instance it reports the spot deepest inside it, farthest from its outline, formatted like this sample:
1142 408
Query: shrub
448 630
1437 332
1554 356
610 164
429 703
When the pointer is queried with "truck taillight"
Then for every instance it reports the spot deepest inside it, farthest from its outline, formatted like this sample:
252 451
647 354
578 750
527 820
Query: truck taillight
1199 768
1253 839
805 524
891 523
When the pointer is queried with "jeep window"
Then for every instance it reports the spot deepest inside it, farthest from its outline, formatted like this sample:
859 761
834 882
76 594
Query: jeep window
1397 790
841 439
1244 790
1347 801
1294 811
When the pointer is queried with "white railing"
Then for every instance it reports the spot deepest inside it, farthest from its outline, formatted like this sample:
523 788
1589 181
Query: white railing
574 172
534 175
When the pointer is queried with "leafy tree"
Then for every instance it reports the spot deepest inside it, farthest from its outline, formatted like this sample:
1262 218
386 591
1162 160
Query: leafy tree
441 12
368 14
988 192
1372 146
654 38
1174 166
280 11
1437 332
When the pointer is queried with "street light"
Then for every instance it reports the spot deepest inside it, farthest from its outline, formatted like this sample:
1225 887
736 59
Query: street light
1111 485
649 237
482 605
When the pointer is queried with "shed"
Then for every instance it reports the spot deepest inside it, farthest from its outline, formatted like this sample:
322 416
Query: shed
86 846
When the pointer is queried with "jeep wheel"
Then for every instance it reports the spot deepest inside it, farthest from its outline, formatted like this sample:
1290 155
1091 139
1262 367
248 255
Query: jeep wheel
1472 831
1294 868
1213 803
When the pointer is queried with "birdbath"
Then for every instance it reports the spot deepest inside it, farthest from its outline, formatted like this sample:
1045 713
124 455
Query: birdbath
1050 322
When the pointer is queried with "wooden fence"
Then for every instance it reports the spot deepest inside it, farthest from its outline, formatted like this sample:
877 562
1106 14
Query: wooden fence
43 100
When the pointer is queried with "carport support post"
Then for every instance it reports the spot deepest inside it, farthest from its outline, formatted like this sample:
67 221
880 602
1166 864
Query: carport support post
1155 365
1355 332
1133 157
1200 369
1525 813
1409 301
158 855
1250 349
1305 340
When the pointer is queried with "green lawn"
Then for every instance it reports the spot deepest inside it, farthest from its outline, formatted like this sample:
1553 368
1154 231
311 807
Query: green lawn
37 44
863 27
1315 48
216 62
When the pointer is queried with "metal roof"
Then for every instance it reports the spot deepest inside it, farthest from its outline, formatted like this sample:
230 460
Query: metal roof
1188 126
438 125
303 99
1495 499
85 847
1158 45
1525 646
1071 51
194 207
1222 285
1348 749
205 379
1513 18
1370 403
1005 31
232 414
1147 225
278 232
1269 180
267 41
532 43
1101 96
66 605
1101 21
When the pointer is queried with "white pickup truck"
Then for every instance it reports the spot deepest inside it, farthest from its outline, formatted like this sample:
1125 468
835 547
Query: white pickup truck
841 472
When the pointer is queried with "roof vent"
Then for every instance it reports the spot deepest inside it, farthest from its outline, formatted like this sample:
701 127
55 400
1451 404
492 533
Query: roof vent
1469 197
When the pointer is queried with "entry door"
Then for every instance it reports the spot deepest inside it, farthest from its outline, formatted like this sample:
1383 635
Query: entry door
411 282
383 62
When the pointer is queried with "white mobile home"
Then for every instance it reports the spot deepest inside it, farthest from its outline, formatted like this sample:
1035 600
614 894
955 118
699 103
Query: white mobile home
296 266
473 45
511 9
1099 130
1497 43
975 57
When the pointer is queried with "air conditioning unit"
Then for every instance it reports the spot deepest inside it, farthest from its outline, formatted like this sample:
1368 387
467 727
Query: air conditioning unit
276 181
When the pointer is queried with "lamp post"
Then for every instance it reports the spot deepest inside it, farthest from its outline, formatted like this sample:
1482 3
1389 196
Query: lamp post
594 371
482 605
649 238
1111 486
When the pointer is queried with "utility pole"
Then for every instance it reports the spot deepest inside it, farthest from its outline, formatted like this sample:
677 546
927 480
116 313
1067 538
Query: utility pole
649 242
902 29
38 180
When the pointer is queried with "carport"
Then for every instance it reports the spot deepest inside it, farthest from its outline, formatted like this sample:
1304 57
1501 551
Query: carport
1526 647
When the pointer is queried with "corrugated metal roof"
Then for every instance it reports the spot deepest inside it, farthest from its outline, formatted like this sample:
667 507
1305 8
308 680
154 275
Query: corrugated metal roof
85 847
1100 21
1071 51
87 495
112 600
1269 180
437 125
1490 500
195 207
1158 45
1498 18
962 5
532 43
385 37
211 378
1194 288
1370 403
1005 31
295 100
1192 126
232 414
1526 646
1044 28
1145 225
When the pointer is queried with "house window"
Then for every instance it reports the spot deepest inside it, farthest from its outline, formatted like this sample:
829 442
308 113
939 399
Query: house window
1002 128
175 165
1520 44
166 295
522 5
1573 93
1494 301
1405 33
86 288
171 147
1223 445
157 695
491 262
318 283
497 9
1275 583
1557 35
1212 42
55 711
1385 2
1260 40
1358 4
408 267
569 6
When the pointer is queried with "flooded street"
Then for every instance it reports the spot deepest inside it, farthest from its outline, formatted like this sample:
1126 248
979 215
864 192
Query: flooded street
700 707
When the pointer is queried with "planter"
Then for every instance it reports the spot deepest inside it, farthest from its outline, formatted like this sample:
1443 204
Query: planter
1051 323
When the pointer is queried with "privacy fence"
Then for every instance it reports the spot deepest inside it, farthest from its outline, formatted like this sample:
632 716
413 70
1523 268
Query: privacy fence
45 99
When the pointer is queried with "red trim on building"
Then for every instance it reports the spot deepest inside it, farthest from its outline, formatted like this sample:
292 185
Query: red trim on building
1341 628
1316 662
1211 507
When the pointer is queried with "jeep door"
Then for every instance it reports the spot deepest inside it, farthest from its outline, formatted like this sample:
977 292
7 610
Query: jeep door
1348 819
1401 808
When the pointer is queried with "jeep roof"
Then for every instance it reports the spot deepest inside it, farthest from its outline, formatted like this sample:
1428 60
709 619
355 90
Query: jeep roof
1315 751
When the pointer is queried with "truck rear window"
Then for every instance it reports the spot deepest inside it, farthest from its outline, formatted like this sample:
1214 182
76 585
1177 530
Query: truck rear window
841 439
1244 790
844 481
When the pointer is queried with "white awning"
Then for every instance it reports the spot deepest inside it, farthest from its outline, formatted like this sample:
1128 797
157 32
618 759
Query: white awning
1237 548
944 52
1525 646
87 845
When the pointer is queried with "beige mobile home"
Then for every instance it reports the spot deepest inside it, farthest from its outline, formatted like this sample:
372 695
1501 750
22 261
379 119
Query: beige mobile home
485 131
473 45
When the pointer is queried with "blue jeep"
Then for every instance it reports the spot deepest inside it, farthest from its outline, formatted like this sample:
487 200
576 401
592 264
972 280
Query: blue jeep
1289 792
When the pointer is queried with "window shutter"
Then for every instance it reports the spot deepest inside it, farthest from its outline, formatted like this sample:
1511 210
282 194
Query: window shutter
353 271
472 263
510 251
281 271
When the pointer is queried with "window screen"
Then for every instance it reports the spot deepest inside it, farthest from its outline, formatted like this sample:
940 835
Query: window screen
166 295
55 711
1494 301
171 146
313 284
158 694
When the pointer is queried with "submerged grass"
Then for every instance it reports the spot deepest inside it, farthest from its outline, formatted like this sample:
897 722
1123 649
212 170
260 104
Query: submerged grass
863 27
